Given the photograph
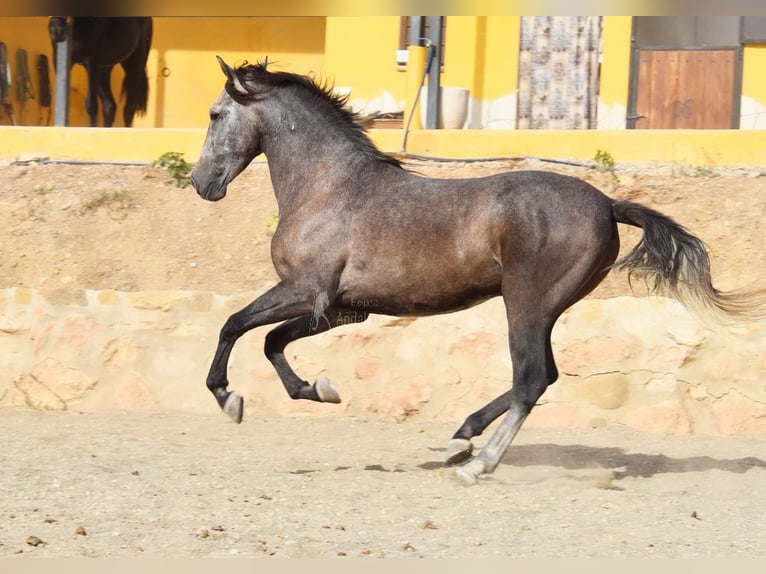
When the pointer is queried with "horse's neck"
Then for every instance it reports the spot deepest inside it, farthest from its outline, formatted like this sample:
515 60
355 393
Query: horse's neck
303 167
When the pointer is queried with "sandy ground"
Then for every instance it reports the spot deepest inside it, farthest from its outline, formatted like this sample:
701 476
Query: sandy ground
172 484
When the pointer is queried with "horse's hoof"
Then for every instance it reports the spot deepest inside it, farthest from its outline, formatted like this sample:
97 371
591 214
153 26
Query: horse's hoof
326 392
234 406
459 450
469 472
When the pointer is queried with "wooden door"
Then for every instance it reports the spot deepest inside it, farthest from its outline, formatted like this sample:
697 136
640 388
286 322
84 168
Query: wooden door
685 89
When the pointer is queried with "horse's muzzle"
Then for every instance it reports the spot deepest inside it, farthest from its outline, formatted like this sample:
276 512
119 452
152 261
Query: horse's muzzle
211 189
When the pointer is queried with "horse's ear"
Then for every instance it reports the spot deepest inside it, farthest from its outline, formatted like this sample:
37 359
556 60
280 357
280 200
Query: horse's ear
232 78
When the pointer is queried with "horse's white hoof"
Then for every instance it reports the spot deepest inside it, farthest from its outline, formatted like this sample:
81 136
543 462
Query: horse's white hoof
326 392
469 472
459 450
234 406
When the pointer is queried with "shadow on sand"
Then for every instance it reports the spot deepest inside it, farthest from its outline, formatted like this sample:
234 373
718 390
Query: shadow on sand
623 464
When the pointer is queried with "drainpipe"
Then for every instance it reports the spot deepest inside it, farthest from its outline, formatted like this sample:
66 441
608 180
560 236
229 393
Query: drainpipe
63 57
416 69
434 73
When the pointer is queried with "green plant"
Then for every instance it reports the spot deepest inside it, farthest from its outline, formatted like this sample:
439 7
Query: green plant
178 168
605 162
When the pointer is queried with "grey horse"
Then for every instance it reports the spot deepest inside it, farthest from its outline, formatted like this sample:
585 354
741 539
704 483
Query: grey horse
362 234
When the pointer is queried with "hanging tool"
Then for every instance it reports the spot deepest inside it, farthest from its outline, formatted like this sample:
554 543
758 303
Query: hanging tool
44 78
5 83
24 89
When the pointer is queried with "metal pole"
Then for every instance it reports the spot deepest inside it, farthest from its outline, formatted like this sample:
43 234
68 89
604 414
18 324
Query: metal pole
415 35
63 63
434 74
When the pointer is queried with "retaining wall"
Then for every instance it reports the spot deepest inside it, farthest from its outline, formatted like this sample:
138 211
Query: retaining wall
639 362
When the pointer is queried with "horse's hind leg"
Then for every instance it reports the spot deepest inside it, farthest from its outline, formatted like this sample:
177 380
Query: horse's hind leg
531 316
103 91
530 345
460 446
306 326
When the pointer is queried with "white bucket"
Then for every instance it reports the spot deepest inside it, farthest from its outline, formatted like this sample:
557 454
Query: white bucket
453 107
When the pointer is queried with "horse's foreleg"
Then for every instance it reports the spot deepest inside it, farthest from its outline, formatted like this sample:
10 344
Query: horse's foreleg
276 341
280 303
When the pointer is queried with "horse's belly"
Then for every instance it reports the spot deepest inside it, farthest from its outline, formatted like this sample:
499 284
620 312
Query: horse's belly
432 287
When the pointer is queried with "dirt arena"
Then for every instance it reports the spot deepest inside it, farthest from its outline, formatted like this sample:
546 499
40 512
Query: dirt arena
176 484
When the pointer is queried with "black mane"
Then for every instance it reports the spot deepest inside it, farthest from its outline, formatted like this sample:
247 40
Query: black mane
257 80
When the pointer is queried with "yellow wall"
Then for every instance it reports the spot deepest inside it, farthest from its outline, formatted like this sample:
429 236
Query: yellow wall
184 77
615 63
189 78
360 53
501 52
357 52
753 105
753 77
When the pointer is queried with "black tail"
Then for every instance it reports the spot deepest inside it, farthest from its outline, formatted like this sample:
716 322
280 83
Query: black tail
136 91
676 263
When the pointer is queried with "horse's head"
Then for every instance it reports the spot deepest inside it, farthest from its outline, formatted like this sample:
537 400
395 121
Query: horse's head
232 140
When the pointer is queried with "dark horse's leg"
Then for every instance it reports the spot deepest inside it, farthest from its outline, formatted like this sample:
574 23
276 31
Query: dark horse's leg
135 85
91 98
104 91
282 302
276 341
531 315
99 89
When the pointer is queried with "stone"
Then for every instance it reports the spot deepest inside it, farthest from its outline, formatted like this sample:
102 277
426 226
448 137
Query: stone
76 332
52 385
583 356
119 352
608 391
367 368
132 392
480 344
735 413
555 415
156 300
108 298
65 297
22 296
665 417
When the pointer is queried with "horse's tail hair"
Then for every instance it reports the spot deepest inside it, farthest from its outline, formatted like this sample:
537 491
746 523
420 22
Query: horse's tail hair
136 91
674 262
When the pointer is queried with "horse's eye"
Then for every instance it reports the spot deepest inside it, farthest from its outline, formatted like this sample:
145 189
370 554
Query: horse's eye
214 115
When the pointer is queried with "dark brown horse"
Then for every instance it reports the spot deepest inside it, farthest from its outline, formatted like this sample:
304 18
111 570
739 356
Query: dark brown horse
99 44
359 234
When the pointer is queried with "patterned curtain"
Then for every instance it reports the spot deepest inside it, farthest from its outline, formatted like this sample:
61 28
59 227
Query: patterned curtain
558 72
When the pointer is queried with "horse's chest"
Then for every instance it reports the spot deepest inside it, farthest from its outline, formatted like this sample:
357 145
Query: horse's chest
315 240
